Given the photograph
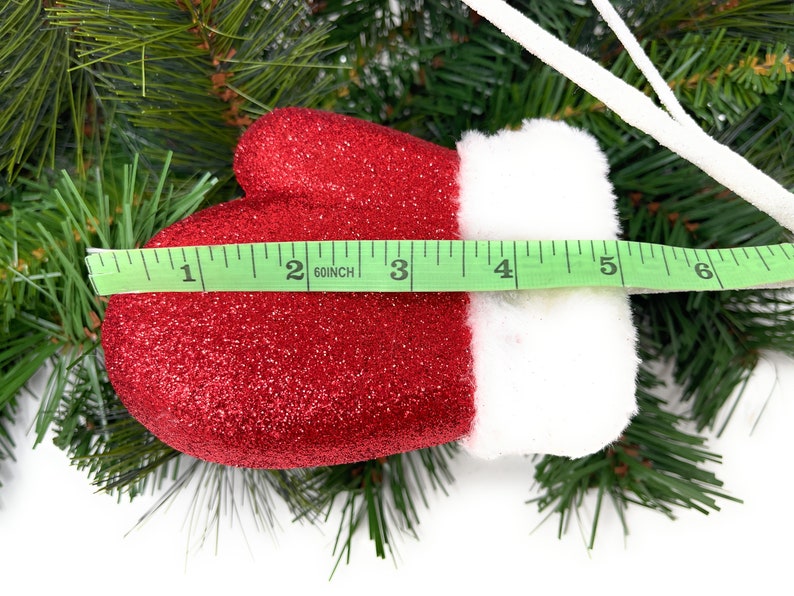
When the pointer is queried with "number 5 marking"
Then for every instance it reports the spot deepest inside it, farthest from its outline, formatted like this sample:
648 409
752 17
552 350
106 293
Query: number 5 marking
608 267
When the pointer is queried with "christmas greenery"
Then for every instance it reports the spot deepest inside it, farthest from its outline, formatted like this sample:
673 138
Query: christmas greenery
118 118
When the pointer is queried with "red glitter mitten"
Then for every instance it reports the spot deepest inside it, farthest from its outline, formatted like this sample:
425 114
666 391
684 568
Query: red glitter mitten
281 380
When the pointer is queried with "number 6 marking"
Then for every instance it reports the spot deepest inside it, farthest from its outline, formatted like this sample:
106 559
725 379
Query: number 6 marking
703 271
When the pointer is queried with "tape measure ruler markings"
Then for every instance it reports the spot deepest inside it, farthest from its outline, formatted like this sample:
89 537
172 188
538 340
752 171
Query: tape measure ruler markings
437 266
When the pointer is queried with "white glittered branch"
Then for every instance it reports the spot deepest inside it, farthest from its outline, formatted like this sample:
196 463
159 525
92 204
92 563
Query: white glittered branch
640 58
673 129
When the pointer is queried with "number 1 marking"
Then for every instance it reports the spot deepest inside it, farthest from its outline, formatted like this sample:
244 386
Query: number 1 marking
188 276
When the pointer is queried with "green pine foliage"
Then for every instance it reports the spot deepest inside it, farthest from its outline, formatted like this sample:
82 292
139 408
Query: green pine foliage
118 117
656 464
730 66
34 88
173 76
381 492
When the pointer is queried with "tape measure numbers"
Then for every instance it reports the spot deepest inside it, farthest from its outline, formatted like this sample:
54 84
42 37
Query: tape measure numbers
437 266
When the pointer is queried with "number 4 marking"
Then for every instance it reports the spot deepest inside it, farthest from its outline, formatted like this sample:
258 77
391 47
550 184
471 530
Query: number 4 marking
504 269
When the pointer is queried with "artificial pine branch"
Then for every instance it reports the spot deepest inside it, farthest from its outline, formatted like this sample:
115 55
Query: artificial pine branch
82 80
760 20
218 493
655 464
185 77
470 76
49 234
34 88
381 493
7 415
188 79
715 340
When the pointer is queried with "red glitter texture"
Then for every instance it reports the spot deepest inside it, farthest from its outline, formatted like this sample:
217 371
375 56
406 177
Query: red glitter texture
281 380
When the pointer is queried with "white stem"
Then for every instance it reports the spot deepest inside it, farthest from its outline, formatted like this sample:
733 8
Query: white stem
690 142
640 58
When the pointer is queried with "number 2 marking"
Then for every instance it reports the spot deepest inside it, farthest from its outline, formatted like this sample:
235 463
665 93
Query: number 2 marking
295 269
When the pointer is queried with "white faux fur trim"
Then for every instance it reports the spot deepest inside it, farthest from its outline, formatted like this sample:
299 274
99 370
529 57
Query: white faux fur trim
555 369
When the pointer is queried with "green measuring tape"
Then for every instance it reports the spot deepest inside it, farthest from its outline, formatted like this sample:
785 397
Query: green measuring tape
438 266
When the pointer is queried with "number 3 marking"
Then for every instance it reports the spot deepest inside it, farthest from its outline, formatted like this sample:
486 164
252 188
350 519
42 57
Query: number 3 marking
400 269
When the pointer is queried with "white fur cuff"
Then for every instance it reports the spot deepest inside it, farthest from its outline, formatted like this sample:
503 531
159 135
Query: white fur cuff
554 369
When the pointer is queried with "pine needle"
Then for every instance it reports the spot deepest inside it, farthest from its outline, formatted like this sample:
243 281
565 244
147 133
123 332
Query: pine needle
33 87
655 464
380 495
185 77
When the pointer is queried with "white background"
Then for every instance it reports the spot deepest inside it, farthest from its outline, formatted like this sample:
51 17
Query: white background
57 534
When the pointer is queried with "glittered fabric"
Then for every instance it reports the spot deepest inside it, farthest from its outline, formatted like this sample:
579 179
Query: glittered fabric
280 380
